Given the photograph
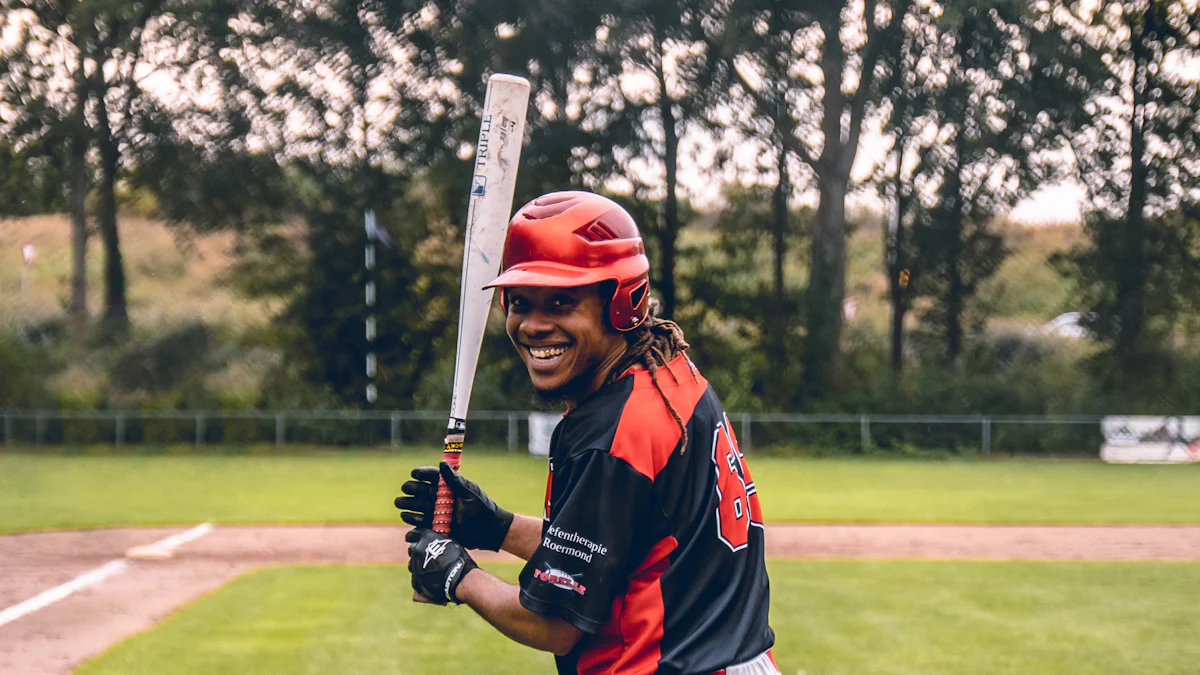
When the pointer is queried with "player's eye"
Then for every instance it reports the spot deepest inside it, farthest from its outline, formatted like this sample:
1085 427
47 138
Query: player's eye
517 303
562 301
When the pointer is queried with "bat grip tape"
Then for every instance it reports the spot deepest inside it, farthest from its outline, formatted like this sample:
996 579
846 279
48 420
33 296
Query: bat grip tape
443 508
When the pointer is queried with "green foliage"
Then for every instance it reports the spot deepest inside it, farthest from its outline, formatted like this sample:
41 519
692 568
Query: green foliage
1160 258
733 301
1027 288
173 361
29 183
321 328
23 368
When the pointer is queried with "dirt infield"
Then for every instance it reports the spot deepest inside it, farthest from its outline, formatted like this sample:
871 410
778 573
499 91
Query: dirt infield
141 592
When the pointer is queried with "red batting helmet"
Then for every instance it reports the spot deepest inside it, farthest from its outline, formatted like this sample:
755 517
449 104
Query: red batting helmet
567 239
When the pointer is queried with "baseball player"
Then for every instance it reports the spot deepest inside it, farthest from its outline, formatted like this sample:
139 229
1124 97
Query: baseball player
648 556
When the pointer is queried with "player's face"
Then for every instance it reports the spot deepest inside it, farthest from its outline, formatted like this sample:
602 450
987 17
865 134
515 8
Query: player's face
564 338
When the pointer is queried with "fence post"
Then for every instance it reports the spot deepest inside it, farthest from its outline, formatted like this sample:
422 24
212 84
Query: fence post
199 429
987 436
512 432
395 431
39 424
120 423
7 428
865 429
280 430
744 442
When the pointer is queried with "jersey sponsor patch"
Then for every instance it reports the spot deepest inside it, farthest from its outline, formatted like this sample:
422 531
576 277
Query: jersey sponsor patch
561 579
572 544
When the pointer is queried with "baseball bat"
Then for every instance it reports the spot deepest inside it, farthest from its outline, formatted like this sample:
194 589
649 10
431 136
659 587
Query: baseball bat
492 184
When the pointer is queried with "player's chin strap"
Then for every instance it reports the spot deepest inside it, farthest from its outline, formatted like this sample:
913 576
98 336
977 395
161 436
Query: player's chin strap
443 507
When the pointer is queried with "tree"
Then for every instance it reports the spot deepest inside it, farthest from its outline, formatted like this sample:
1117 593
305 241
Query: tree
44 93
842 115
978 96
764 72
553 43
97 47
116 36
840 48
734 304
667 46
1140 162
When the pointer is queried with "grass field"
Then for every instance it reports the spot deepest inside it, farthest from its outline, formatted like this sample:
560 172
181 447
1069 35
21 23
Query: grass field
76 491
831 618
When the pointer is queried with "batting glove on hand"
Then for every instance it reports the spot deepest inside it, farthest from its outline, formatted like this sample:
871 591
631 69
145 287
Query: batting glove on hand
477 522
438 565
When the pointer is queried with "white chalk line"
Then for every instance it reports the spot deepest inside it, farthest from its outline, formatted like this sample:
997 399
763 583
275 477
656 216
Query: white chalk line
93 577
59 592
183 537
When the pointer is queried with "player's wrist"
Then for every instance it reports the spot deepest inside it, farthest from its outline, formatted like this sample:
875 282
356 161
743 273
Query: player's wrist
467 588
456 576
503 525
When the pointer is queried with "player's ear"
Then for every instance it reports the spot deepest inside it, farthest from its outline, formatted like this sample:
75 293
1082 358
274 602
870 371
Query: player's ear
608 293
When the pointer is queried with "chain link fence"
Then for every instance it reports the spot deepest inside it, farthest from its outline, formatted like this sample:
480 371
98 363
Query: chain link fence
761 432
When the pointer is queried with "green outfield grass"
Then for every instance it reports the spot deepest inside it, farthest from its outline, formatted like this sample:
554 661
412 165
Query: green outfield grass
72 491
831 618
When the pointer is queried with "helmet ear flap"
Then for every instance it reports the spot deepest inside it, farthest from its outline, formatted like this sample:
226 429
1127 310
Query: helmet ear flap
504 300
630 304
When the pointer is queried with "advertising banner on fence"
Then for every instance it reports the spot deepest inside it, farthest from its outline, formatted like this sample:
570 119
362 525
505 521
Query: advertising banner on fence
1171 440
541 426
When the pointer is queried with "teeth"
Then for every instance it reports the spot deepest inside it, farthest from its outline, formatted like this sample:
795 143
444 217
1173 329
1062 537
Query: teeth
546 353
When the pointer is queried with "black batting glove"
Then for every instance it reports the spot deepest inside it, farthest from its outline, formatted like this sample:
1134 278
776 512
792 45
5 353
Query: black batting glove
477 522
438 565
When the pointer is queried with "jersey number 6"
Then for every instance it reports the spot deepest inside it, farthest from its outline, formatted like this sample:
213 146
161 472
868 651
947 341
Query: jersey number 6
737 507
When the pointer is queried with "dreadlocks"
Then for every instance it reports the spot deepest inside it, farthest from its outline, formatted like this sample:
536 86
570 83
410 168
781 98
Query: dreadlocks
653 345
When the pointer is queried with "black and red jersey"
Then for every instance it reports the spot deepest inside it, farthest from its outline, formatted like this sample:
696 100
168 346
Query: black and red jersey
654 552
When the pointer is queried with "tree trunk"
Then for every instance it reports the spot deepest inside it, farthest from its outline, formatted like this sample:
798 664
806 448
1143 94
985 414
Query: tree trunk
116 318
79 187
779 320
954 203
898 312
826 285
1131 280
955 293
670 229
896 262
827 271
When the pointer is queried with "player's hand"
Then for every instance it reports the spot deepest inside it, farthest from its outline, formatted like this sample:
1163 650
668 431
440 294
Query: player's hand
477 523
438 565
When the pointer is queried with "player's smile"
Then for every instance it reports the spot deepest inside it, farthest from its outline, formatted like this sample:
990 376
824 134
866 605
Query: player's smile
563 337
545 359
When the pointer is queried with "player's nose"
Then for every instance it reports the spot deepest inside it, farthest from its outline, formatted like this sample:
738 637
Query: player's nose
535 324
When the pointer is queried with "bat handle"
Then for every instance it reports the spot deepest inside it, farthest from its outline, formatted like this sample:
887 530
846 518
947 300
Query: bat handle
443 508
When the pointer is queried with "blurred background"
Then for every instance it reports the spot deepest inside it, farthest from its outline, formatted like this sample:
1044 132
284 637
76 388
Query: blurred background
230 248
911 207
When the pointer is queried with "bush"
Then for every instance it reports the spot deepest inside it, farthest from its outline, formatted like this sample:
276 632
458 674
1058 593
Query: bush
23 369
177 360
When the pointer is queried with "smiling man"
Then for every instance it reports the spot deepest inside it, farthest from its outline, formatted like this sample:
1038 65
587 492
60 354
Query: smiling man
648 556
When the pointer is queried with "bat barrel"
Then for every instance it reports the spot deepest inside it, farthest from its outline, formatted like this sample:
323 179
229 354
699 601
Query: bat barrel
443 509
